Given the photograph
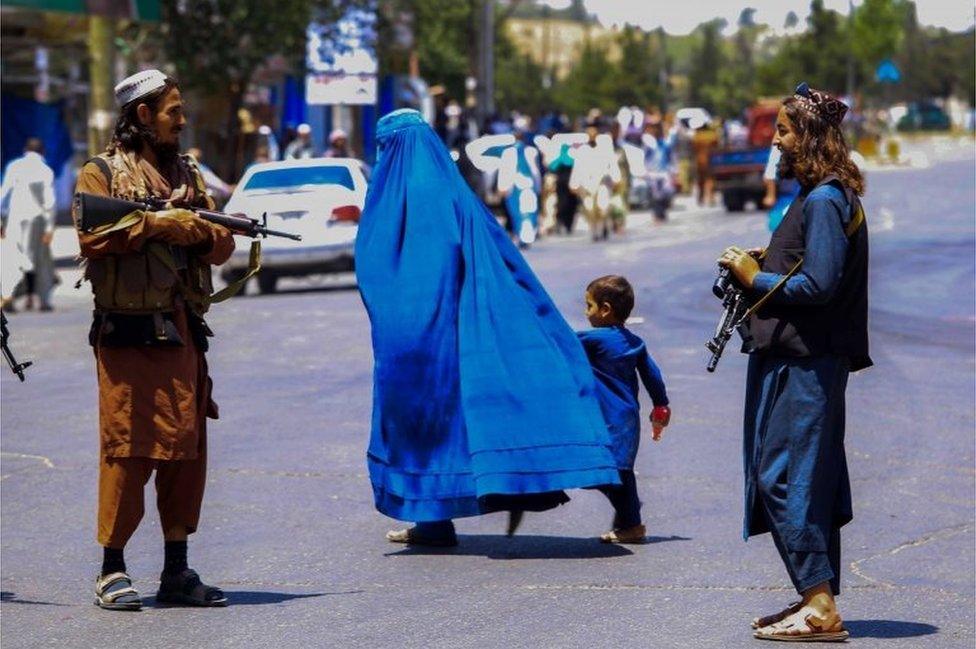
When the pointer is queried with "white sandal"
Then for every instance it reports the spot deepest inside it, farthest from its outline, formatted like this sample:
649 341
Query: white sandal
114 592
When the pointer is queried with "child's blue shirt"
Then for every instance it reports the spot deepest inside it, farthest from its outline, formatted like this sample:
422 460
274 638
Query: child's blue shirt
618 357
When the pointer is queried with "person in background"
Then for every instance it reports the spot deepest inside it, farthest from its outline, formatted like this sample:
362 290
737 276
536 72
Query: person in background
270 143
595 174
659 166
301 147
703 143
520 182
338 145
216 187
29 184
779 192
620 197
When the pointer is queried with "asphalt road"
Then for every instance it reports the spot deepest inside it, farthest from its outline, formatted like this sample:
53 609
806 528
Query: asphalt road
289 530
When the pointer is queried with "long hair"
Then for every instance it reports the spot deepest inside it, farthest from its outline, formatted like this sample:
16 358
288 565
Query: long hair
821 150
130 134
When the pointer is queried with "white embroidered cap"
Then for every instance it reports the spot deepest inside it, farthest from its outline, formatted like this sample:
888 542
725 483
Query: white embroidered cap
138 85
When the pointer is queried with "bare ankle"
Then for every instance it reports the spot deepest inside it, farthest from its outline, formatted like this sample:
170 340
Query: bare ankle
820 598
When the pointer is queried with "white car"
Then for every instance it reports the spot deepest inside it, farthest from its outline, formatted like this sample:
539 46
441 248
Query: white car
319 198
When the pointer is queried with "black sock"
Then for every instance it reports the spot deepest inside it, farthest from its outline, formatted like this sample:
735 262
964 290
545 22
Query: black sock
112 561
175 557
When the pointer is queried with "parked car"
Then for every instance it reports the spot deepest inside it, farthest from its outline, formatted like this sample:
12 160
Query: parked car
924 116
318 198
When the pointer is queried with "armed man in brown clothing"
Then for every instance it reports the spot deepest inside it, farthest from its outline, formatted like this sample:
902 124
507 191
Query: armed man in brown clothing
151 281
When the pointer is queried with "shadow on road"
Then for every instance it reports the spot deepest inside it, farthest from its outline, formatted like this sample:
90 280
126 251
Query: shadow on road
651 540
6 597
254 597
888 629
530 547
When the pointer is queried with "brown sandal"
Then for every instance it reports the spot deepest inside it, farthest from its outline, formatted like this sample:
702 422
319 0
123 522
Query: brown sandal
800 627
766 620
636 535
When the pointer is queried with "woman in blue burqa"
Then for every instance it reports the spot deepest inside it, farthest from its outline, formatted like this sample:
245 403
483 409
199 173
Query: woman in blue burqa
483 399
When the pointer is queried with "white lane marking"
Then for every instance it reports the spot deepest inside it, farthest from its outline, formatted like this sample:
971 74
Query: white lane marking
46 461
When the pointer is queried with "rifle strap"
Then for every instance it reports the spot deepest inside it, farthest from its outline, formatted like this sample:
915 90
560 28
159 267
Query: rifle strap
233 288
125 222
782 280
229 291
856 222
104 168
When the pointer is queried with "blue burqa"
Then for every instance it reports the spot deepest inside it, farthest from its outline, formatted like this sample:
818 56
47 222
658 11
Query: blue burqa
481 391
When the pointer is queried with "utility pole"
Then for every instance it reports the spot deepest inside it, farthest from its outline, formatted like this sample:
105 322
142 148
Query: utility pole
486 61
850 50
101 99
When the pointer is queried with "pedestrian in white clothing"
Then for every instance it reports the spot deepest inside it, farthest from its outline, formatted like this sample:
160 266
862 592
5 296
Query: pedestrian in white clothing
596 173
29 220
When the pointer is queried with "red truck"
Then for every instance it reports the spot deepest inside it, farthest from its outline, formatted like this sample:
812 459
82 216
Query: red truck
738 171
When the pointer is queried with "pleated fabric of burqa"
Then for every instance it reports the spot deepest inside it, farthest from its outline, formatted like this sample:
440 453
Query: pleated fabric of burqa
483 397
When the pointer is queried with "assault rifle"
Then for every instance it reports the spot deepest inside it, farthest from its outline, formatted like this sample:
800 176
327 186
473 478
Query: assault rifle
735 309
15 367
96 211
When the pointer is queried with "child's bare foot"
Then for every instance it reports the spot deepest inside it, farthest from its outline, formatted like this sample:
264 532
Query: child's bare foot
635 534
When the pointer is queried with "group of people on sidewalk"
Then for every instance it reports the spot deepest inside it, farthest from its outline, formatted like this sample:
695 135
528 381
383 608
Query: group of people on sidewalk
484 399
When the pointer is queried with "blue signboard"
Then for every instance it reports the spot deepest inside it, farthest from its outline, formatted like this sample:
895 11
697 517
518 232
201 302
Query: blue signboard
887 72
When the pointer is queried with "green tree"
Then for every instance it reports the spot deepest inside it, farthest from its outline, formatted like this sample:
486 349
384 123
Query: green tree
878 28
707 60
585 86
519 81
634 79
217 46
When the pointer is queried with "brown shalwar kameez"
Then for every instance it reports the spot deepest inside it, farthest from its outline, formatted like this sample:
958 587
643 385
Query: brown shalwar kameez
153 401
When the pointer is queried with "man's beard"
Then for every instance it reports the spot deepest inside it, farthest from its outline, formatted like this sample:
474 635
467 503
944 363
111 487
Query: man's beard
784 170
166 152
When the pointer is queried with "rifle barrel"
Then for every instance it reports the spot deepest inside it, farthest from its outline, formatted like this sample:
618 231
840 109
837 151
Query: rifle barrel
277 233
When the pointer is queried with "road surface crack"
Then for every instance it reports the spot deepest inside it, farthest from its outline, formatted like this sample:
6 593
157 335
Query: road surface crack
937 535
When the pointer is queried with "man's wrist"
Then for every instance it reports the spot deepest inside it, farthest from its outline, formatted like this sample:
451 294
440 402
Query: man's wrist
764 282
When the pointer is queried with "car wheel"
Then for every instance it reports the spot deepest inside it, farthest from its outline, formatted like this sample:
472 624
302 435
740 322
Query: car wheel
734 201
267 282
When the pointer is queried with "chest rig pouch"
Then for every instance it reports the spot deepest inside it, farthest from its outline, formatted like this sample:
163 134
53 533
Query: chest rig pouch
137 293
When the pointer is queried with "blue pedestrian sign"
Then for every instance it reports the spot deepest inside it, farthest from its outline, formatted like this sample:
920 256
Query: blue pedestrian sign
887 72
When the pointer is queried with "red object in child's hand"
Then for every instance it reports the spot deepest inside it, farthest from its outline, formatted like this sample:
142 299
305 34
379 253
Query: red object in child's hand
661 416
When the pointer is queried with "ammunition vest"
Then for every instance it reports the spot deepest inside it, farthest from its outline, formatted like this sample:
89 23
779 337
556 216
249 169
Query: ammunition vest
151 280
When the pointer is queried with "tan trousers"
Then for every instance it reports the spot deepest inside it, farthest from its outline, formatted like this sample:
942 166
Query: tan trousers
121 484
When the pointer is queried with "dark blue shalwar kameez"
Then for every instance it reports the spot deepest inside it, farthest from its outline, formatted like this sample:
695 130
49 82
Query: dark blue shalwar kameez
618 358
796 479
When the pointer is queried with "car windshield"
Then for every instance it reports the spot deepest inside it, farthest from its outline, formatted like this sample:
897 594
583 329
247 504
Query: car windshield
301 177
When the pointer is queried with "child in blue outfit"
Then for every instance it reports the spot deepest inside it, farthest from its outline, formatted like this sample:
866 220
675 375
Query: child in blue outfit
618 358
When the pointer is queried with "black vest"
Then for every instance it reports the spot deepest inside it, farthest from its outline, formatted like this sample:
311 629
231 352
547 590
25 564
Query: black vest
839 326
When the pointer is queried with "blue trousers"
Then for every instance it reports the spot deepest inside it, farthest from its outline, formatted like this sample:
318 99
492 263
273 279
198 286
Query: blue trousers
626 503
807 568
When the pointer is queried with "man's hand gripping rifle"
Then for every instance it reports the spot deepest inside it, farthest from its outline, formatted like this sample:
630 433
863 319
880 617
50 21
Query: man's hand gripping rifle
15 367
95 211
735 311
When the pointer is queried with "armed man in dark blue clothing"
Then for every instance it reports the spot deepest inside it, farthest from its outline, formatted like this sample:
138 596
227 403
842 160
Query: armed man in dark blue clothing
805 339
